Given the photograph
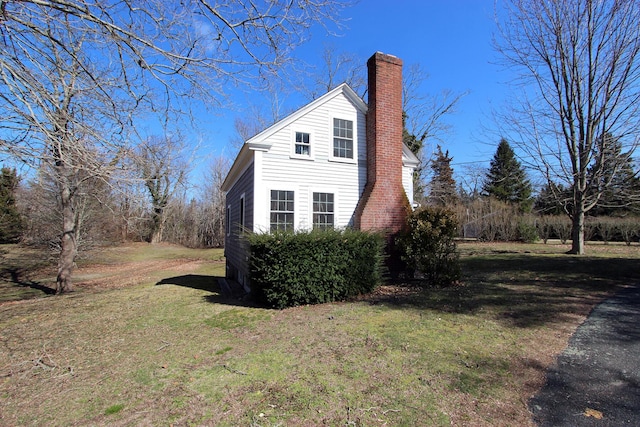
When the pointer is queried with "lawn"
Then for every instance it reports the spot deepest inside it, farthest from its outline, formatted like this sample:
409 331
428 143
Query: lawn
148 339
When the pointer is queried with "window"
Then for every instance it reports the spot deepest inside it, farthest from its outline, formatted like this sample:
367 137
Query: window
281 210
322 210
242 213
228 220
343 138
303 144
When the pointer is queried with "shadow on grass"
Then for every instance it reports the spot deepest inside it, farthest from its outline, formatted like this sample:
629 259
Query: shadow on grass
526 290
221 290
18 287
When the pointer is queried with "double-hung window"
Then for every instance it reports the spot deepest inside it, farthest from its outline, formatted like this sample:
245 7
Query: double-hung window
343 138
303 144
323 211
281 210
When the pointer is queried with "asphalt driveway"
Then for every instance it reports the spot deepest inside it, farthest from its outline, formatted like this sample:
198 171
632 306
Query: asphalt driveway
596 380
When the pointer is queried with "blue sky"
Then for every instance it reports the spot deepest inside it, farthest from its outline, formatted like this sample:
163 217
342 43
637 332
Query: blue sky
450 39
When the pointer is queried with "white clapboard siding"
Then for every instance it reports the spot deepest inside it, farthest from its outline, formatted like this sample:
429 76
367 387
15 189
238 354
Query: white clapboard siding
407 182
282 170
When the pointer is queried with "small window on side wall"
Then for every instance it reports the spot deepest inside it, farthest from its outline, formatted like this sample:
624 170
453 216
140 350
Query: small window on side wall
242 205
303 144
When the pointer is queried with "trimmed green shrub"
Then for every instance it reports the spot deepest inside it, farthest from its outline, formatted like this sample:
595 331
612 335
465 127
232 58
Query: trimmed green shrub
428 245
290 269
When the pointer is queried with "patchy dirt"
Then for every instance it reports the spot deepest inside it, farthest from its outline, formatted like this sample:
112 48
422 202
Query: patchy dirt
127 274
27 273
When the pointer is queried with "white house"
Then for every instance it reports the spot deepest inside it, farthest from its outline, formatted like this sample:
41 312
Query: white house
336 162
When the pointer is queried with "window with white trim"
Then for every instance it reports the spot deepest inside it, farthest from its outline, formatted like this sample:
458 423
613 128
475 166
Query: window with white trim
342 138
242 204
323 211
303 144
281 217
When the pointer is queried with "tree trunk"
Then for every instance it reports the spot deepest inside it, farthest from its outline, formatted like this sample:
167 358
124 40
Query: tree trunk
577 231
68 244
158 226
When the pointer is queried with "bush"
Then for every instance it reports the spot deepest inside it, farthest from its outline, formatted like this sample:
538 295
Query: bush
290 269
527 232
428 245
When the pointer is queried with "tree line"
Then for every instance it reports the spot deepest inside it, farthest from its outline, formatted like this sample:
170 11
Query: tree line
504 206
83 82
153 207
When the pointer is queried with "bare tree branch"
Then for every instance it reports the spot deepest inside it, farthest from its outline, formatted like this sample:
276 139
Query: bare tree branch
79 77
579 66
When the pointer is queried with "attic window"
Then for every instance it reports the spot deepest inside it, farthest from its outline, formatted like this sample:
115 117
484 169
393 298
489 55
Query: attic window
303 144
343 138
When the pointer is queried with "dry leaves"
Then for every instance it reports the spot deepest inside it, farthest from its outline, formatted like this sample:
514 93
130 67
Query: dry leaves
593 413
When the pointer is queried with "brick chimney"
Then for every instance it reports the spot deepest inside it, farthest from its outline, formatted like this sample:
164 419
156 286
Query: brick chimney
384 205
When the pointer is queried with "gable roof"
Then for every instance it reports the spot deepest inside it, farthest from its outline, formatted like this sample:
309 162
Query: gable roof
260 142
343 89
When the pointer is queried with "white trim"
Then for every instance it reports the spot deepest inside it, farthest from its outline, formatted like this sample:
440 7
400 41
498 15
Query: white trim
260 142
296 201
336 206
242 212
313 146
408 158
343 89
260 200
353 118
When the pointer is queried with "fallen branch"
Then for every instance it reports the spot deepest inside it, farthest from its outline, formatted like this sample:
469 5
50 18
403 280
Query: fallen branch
40 362
164 345
232 370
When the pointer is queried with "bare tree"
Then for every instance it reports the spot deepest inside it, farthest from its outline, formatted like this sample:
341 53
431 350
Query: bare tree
425 111
76 76
212 223
470 181
579 65
163 170
255 121
424 120
335 68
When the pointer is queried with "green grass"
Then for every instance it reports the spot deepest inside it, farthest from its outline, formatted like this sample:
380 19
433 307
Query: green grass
114 409
178 353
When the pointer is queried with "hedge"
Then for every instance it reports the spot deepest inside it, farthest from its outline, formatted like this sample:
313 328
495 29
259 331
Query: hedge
289 269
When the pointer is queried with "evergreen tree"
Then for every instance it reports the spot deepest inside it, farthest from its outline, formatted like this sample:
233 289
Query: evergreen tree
442 186
617 182
551 200
10 220
506 180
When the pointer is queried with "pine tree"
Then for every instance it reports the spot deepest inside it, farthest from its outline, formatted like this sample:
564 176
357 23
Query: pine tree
507 180
552 199
617 183
443 186
10 220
